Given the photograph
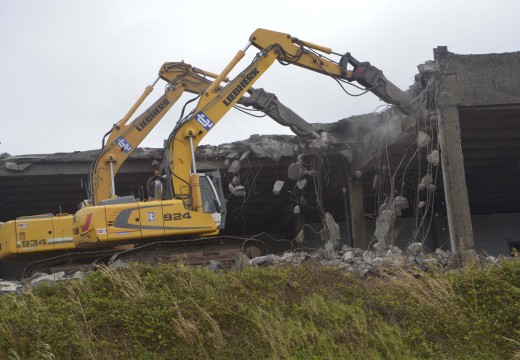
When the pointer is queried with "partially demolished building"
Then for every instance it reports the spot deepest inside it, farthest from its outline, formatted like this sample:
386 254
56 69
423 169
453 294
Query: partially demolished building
447 178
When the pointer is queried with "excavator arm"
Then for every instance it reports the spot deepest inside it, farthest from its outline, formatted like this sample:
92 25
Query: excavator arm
124 138
273 46
291 50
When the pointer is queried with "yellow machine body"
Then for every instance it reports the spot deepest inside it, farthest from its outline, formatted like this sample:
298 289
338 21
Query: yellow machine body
35 235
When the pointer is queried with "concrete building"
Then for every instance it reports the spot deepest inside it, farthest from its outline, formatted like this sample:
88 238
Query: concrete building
447 177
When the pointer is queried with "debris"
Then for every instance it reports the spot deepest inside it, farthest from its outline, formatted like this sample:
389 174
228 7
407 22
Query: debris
423 139
296 210
295 171
244 155
215 266
358 173
300 237
425 181
16 167
235 181
40 278
241 261
385 226
330 232
237 190
347 154
433 158
265 260
301 183
118 264
234 167
415 249
9 286
421 204
278 185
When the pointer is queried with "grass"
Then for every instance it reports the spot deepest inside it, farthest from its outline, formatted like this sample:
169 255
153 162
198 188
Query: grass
179 312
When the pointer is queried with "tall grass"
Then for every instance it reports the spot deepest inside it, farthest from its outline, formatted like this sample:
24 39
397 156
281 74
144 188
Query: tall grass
179 312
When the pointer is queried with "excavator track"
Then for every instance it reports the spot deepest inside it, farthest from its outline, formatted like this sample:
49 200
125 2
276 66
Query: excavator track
190 251
66 261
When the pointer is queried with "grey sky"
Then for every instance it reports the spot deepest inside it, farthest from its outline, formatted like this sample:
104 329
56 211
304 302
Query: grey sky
69 69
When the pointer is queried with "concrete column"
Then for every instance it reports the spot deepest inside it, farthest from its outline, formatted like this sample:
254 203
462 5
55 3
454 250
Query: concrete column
357 212
456 193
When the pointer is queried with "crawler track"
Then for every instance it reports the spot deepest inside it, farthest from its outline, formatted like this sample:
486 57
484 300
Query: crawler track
190 251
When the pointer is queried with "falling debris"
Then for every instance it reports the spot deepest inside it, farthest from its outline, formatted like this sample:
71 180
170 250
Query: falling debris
433 158
347 154
278 185
301 183
237 190
423 139
235 166
295 171
425 181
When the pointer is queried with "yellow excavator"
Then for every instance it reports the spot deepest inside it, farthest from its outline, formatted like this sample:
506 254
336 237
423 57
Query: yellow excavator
192 209
33 239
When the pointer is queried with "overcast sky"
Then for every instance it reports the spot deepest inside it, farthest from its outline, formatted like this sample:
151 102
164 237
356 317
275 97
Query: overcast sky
69 69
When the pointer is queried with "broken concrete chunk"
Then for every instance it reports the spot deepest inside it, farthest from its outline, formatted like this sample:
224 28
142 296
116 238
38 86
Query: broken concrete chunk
47 279
348 256
241 261
415 249
232 155
425 181
347 154
296 210
226 162
234 167
295 170
375 182
16 167
318 144
300 237
272 148
330 232
423 139
278 185
385 226
433 158
119 264
244 155
235 181
394 260
237 190
215 266
9 286
400 203
301 183
265 260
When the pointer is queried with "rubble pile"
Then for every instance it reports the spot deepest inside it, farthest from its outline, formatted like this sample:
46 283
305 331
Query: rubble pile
358 261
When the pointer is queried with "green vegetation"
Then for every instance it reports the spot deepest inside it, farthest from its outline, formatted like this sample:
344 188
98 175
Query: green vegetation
179 312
